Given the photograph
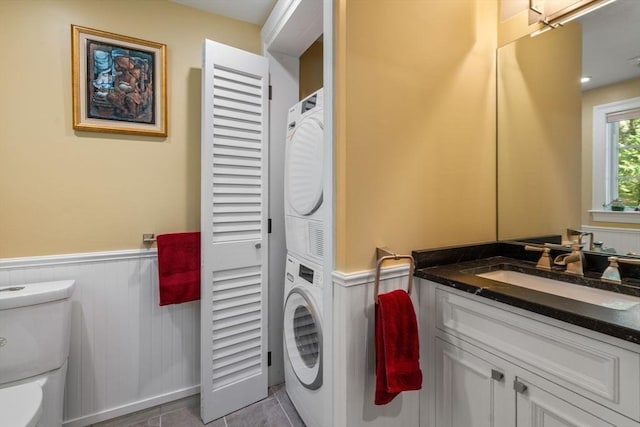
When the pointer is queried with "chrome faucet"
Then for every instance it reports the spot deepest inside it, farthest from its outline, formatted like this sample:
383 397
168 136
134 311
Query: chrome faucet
574 262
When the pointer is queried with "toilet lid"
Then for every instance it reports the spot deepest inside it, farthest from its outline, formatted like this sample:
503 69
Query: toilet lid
21 405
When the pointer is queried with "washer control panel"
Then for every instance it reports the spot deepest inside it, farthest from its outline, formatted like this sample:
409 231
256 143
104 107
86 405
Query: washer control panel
296 269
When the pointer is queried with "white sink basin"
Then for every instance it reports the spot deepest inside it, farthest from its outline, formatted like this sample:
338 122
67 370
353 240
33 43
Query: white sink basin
595 296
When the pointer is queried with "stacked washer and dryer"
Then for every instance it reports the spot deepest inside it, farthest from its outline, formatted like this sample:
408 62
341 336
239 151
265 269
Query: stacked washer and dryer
304 230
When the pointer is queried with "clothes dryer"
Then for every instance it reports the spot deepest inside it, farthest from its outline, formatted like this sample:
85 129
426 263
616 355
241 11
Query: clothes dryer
303 179
303 346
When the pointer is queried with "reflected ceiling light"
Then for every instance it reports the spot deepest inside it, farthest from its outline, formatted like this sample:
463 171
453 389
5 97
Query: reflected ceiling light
585 79
556 22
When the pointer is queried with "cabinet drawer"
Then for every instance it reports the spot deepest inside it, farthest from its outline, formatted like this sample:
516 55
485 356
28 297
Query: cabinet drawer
597 370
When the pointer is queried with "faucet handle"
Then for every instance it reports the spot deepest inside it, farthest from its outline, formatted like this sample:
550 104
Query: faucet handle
545 260
611 273
626 260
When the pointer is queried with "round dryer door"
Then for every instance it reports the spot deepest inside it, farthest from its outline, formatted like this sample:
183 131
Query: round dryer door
304 167
303 339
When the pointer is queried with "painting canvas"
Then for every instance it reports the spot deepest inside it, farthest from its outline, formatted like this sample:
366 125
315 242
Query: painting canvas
119 83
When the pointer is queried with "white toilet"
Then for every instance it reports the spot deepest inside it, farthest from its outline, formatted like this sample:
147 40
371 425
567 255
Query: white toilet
35 321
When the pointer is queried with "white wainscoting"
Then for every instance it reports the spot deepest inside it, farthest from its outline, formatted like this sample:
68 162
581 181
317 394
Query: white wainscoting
623 240
354 352
127 353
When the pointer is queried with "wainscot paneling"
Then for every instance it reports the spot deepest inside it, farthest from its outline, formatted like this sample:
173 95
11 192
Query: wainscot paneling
623 240
354 352
127 353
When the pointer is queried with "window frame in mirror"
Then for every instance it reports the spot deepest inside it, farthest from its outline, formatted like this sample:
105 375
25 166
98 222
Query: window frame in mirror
602 174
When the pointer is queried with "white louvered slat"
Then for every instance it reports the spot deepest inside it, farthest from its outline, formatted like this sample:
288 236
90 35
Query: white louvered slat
231 321
222 150
246 136
236 123
237 349
234 137
246 145
249 117
230 199
229 85
225 105
235 75
240 98
229 179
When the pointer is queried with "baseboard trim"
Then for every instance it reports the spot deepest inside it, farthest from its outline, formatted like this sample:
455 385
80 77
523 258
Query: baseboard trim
368 276
132 407
79 258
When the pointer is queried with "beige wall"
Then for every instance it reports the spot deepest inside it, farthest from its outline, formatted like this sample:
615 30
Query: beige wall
63 191
603 95
311 72
539 152
515 26
415 126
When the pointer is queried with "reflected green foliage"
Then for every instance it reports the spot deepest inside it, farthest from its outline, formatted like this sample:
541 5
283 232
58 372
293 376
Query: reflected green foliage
629 162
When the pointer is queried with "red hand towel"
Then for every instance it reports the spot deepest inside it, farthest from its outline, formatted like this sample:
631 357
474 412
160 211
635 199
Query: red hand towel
397 347
179 267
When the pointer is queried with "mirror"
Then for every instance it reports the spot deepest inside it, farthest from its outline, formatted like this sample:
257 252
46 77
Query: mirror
543 137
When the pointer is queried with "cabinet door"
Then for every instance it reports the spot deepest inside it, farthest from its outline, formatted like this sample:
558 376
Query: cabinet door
470 391
537 408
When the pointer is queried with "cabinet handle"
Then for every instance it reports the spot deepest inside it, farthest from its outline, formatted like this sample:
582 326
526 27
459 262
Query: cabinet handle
519 387
497 375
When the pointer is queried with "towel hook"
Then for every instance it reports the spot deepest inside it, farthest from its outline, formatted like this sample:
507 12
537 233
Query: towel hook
385 254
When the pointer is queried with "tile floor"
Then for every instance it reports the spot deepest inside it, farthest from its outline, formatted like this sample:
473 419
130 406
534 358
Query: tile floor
274 411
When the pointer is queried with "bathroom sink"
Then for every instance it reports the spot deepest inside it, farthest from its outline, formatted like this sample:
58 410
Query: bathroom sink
586 294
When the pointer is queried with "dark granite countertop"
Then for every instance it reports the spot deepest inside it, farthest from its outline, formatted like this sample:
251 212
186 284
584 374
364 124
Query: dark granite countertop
457 268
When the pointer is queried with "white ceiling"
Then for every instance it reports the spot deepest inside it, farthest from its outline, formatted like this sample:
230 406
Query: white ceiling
610 38
253 11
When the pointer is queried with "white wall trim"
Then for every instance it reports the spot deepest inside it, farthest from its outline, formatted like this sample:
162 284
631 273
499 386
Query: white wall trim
368 276
292 26
628 217
131 408
354 352
623 240
40 261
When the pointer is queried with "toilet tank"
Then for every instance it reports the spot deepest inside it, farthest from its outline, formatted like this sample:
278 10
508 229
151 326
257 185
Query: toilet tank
35 323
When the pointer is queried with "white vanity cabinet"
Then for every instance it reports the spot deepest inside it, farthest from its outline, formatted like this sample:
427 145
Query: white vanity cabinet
470 391
490 364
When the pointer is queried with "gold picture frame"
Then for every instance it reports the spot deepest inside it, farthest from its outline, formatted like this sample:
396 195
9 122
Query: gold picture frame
119 83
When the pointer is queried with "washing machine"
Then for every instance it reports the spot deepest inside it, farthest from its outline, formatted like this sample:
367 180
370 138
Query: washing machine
303 179
302 336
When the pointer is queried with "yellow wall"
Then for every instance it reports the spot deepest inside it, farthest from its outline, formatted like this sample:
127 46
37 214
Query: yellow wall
603 95
311 72
415 126
63 191
515 27
538 152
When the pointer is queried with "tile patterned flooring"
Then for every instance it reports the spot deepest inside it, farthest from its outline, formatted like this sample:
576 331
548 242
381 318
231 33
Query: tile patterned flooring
274 411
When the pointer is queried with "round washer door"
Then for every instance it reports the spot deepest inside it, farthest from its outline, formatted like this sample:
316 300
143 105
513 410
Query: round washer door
304 167
303 339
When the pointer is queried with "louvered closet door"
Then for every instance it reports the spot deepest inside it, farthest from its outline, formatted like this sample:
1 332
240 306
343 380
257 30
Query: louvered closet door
233 224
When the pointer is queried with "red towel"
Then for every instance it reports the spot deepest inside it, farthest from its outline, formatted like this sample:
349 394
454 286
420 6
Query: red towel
397 347
179 267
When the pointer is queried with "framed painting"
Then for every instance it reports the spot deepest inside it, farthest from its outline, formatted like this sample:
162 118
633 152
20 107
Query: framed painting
119 83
